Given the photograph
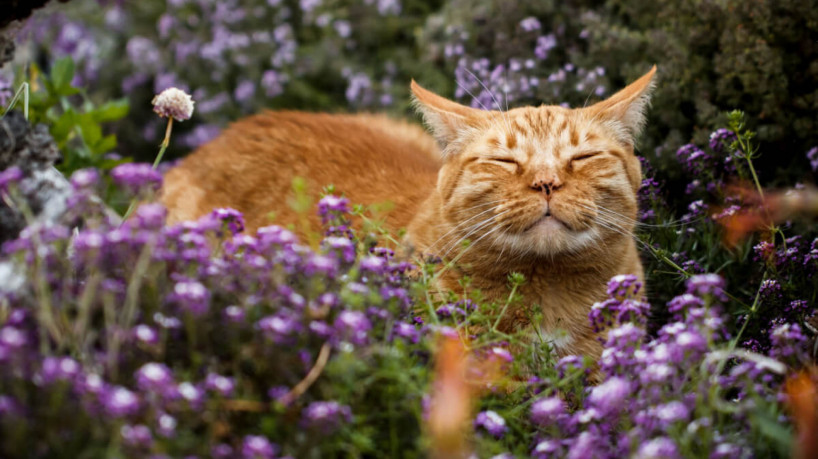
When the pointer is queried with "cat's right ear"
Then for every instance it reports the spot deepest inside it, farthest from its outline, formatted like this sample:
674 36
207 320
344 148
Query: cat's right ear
448 120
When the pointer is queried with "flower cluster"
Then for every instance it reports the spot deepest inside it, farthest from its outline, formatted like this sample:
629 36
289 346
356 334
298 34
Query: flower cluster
159 331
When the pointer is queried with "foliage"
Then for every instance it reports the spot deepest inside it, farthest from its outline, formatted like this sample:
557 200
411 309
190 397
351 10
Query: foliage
75 123
198 339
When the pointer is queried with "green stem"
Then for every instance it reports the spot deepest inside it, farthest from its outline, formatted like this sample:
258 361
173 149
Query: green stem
505 306
162 147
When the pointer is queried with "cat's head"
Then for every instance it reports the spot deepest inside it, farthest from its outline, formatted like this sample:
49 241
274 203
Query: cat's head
547 180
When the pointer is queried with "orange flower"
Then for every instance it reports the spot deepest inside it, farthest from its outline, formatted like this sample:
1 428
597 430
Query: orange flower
801 392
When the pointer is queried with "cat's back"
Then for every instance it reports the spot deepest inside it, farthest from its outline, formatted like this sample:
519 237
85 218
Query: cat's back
251 165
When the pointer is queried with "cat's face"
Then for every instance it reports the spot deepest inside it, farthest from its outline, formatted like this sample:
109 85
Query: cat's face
545 180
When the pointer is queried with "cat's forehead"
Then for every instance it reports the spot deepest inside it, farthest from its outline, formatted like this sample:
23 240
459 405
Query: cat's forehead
548 130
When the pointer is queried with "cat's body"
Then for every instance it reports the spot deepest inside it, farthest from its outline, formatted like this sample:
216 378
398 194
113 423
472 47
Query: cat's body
544 191
250 167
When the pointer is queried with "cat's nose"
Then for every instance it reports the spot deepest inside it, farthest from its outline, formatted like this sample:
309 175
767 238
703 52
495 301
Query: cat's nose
546 186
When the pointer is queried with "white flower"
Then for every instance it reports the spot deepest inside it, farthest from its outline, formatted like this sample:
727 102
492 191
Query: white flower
173 102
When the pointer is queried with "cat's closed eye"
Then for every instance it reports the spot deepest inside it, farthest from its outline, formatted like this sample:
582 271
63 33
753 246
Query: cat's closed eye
585 156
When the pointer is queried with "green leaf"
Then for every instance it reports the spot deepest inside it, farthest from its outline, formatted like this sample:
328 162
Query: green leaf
111 111
105 145
62 72
91 132
63 125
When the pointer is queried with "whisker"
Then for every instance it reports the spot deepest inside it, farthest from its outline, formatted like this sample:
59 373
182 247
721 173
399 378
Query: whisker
467 220
499 108
475 228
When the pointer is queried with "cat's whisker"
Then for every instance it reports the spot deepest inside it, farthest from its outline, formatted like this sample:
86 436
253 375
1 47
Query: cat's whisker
460 255
466 221
499 108
615 227
475 228
478 101
626 219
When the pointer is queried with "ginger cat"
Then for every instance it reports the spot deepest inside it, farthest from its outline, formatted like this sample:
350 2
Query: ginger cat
546 191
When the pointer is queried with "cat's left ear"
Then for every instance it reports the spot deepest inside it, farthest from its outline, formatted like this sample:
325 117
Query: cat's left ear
626 109
448 121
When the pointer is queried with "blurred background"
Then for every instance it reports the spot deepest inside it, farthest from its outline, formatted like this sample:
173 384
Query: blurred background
239 57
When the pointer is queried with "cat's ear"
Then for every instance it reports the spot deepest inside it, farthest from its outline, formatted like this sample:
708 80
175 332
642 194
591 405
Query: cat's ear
626 109
448 120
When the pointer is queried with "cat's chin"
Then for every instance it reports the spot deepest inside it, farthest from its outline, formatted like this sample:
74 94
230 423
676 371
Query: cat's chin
550 236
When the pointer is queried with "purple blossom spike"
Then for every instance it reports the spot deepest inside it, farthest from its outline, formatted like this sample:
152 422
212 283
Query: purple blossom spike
326 416
119 401
258 447
353 326
136 176
611 396
547 411
492 422
231 218
191 296
138 436
155 377
221 384
707 285
85 178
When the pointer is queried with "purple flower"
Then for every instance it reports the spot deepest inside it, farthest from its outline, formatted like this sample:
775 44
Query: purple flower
136 176
788 344
682 303
407 331
547 411
58 369
12 337
258 447
145 334
658 448
11 175
138 436
353 326
812 156
155 377
166 425
331 206
624 286
150 216
720 138
707 285
671 412
281 328
119 401
234 313
90 383
530 24
221 384
231 218
222 451
694 160
492 422
191 296
547 449
85 178
611 396
192 394
326 416
501 353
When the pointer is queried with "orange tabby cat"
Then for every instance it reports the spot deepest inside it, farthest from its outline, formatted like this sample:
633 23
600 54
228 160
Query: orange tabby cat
546 191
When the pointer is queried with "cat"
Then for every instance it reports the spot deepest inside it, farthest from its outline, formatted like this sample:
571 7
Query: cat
548 192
